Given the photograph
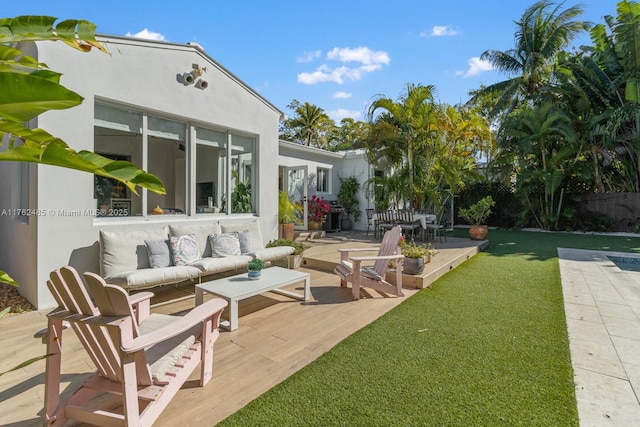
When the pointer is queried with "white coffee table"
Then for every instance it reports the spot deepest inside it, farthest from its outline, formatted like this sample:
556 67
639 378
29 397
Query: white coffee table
239 287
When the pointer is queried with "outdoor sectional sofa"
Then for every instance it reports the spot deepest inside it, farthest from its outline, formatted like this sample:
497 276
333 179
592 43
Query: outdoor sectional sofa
179 253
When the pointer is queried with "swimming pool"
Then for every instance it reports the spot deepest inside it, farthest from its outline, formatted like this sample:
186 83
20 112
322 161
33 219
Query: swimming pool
626 263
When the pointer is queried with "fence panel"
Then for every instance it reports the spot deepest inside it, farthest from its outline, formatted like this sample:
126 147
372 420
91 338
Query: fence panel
624 208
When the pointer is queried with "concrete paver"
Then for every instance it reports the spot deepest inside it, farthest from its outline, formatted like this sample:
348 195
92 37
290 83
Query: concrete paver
602 305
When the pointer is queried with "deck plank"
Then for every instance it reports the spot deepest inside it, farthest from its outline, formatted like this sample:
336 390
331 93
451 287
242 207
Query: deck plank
276 337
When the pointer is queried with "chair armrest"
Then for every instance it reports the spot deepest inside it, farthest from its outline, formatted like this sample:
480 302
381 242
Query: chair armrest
376 257
141 302
197 315
360 249
140 297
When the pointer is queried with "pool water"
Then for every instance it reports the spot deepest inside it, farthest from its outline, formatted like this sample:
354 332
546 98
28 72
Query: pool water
626 263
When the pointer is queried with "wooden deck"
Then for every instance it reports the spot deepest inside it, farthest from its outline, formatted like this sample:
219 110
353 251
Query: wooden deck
277 336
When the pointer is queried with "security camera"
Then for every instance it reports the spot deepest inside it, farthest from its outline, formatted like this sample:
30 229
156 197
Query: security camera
188 78
202 84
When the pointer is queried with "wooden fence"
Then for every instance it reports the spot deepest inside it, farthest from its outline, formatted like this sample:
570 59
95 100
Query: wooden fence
624 208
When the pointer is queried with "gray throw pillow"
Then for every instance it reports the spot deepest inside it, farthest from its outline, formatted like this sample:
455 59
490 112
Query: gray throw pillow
159 253
245 242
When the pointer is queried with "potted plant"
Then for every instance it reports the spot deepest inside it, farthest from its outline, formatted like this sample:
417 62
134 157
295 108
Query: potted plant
476 215
288 211
415 256
254 268
347 196
292 261
317 209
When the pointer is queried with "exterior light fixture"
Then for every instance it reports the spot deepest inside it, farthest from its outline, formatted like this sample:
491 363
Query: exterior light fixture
194 76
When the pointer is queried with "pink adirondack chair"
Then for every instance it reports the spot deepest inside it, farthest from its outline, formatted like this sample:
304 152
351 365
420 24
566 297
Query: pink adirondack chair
351 269
141 358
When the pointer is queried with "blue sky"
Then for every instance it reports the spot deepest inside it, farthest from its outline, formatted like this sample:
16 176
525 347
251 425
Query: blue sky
338 55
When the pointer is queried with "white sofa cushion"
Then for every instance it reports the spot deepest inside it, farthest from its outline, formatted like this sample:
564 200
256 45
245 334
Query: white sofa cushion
253 228
163 356
125 250
276 252
216 265
202 232
149 277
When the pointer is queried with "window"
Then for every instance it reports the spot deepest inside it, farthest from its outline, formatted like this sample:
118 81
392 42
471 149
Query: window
163 147
117 135
323 175
211 155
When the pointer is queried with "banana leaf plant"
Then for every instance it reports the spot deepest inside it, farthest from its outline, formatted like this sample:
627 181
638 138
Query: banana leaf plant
29 88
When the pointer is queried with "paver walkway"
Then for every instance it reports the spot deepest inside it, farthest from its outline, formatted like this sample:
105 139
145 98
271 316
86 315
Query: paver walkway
602 305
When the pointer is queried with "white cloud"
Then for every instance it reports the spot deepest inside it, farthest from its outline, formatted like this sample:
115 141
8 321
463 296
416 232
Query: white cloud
370 60
341 95
146 34
442 30
476 66
309 56
363 55
341 113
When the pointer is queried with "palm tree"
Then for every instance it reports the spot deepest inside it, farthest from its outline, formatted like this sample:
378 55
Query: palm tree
542 32
401 130
310 124
538 142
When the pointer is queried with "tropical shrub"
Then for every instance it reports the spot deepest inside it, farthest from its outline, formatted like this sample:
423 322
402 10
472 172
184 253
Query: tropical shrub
317 209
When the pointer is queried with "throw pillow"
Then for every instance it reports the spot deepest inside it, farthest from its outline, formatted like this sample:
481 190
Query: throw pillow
225 244
245 241
184 249
159 253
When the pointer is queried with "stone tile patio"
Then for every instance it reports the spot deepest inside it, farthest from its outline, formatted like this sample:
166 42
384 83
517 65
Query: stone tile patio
602 305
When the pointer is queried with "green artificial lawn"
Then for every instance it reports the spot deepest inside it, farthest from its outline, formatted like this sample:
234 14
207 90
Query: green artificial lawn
486 346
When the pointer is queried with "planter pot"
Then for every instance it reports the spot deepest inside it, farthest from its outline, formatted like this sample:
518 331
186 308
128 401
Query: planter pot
413 265
346 224
478 232
287 231
254 275
315 225
291 262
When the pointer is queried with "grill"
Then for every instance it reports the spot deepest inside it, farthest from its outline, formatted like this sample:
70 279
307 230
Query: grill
332 223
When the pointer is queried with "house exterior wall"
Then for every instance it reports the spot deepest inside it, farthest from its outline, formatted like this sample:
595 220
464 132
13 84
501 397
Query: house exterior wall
342 164
144 76
292 154
355 163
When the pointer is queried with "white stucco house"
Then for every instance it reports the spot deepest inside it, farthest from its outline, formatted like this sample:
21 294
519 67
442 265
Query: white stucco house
307 171
169 108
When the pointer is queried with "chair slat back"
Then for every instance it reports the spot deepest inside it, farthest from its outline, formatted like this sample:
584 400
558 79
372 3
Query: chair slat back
101 343
370 212
389 246
405 216
113 301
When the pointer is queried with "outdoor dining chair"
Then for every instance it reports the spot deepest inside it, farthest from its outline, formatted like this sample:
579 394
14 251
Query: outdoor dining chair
437 228
406 221
370 221
386 220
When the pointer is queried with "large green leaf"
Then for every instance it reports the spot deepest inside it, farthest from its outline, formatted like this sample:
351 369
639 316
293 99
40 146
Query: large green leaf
5 278
41 147
24 96
78 34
